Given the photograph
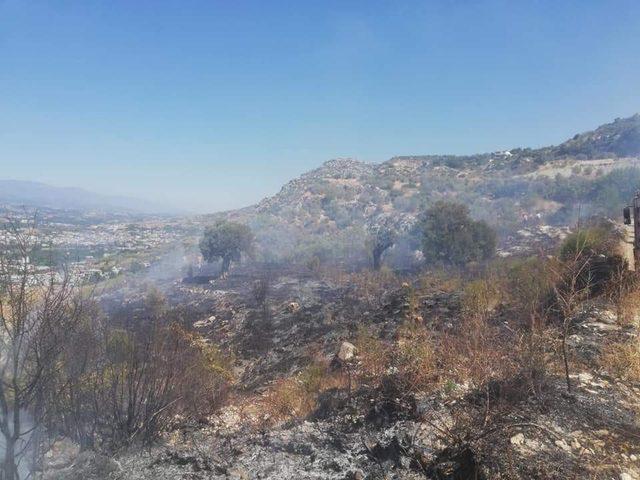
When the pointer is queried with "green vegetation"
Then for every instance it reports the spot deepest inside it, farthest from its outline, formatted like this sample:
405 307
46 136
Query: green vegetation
450 236
226 241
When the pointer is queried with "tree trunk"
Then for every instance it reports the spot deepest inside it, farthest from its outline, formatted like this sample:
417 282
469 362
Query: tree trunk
10 470
376 260
226 262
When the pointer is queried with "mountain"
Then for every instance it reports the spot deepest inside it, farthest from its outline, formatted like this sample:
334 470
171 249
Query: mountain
36 194
596 170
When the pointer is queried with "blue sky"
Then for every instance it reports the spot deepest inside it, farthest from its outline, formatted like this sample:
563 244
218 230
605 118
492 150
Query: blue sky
213 105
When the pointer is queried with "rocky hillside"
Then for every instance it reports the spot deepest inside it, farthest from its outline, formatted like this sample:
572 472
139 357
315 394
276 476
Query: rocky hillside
596 170
621 138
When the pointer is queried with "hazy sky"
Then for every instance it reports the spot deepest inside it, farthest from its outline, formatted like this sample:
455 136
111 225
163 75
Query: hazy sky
213 105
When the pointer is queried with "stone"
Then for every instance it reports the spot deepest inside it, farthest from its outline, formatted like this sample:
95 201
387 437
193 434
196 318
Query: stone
347 351
293 307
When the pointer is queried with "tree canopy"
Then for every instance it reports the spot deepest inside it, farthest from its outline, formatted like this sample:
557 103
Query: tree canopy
451 236
227 241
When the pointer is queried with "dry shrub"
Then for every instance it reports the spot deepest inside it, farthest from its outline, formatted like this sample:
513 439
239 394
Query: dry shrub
373 357
440 280
624 292
370 283
366 285
414 359
623 359
296 397
408 364
477 351
476 359
286 399
528 290
480 297
628 307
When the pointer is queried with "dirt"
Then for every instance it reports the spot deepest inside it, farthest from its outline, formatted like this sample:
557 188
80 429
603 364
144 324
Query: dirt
590 432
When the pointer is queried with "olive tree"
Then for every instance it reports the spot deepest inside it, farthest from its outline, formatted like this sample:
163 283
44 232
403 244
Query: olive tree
226 241
451 236
379 241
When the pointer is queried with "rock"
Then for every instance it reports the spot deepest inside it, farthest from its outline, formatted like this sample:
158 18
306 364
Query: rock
356 475
563 445
629 475
61 454
205 323
293 307
347 351
517 439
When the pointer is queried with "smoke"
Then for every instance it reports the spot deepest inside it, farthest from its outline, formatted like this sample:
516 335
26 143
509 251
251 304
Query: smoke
170 266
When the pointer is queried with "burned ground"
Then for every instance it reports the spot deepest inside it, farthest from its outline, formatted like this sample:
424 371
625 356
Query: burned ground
501 429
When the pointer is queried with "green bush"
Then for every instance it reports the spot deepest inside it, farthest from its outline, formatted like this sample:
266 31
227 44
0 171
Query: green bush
451 236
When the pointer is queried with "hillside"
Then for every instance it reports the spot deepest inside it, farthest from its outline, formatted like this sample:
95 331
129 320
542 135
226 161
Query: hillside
591 173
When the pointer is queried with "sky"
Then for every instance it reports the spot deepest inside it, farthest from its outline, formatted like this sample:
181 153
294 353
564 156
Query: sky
212 105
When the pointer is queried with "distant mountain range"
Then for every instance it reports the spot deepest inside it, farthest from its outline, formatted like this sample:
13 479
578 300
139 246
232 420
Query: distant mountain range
36 194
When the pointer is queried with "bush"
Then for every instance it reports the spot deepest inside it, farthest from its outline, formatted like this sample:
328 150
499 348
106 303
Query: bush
590 254
450 236
297 397
623 359
126 383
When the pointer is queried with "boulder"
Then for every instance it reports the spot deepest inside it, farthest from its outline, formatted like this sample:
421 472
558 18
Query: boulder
347 351
293 307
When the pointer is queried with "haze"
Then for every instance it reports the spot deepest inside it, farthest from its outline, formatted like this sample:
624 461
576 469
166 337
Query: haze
214 105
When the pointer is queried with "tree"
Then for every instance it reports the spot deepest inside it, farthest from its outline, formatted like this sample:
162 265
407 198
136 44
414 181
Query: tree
379 242
227 241
451 236
37 313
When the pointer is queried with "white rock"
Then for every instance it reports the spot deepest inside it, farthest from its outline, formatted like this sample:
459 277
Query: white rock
517 439
347 351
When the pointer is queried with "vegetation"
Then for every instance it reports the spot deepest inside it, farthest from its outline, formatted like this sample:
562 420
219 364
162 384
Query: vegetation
36 317
136 378
379 242
103 381
226 241
450 236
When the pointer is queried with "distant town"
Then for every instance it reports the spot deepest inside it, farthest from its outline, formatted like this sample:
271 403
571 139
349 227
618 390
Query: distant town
93 246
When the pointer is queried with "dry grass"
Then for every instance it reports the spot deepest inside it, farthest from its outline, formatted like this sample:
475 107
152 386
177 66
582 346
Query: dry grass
373 357
408 363
296 397
414 359
623 359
